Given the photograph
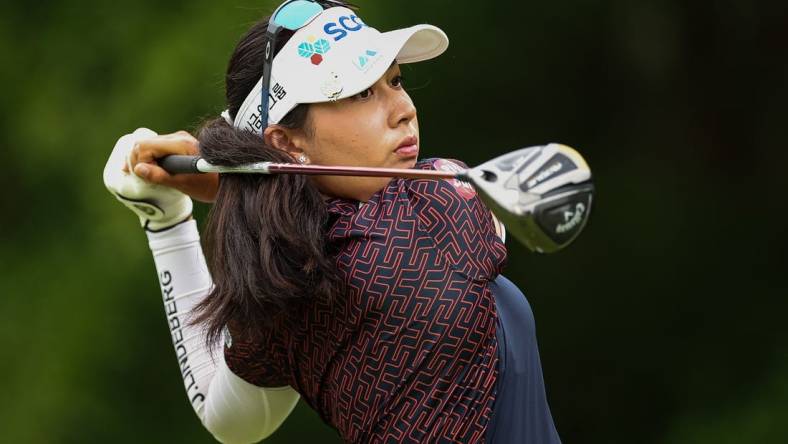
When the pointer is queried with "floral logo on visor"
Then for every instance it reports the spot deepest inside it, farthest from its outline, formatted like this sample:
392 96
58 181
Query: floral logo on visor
314 49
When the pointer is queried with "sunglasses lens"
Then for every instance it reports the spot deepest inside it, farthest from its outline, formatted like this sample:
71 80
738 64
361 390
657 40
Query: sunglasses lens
296 14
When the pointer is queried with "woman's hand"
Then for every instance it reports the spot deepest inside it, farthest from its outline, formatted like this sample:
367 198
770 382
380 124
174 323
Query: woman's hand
158 207
142 159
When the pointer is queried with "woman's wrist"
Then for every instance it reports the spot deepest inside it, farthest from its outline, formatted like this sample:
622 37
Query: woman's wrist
181 234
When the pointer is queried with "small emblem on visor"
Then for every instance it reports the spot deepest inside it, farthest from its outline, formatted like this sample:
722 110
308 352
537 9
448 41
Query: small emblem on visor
332 87
314 49
366 60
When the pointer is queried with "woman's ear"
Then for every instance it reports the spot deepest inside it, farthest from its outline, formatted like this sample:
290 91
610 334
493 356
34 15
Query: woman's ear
285 139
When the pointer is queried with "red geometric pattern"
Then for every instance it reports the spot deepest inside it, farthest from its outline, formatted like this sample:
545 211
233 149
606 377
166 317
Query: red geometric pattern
409 353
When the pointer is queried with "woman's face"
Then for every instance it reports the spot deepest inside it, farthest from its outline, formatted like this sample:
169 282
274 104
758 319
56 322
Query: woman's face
376 128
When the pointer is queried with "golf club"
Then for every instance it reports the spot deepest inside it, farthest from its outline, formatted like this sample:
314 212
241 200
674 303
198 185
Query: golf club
542 194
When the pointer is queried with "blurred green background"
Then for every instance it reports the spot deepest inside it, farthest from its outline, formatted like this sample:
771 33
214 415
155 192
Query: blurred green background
664 323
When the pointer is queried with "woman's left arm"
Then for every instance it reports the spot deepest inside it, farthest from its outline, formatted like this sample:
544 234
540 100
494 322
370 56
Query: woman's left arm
233 410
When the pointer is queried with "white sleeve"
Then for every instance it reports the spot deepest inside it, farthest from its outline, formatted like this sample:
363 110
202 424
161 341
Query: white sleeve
233 410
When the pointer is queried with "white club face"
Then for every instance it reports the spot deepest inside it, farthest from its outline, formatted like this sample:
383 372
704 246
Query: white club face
515 185
523 176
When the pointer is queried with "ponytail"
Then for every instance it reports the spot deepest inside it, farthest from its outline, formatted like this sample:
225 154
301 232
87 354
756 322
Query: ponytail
265 238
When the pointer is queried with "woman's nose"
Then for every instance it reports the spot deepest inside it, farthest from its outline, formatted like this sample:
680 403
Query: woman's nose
403 109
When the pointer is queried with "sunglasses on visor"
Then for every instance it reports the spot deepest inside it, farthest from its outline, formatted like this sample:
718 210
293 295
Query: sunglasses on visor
291 15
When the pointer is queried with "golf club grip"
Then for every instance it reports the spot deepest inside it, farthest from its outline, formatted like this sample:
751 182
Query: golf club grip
177 164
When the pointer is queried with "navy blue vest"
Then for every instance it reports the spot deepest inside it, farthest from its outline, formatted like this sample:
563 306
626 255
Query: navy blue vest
521 414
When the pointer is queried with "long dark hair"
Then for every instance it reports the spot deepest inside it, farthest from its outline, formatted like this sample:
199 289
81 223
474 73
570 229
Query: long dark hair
265 235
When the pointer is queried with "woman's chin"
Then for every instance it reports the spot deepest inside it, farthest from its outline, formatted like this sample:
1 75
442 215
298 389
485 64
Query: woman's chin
407 163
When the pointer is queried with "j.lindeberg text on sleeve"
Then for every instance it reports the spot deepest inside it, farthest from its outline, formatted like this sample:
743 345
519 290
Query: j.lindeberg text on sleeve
232 410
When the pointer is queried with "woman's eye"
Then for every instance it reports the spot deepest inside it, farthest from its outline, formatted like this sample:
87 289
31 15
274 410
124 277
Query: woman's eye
396 82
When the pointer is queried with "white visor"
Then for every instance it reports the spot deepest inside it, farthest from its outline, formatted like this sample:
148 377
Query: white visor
334 57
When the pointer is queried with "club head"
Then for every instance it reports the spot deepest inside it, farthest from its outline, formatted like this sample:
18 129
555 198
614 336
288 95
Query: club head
541 194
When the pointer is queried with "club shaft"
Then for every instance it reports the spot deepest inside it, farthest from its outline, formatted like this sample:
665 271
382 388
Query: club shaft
193 164
321 170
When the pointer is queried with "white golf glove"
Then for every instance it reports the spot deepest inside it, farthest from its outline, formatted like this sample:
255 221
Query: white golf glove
157 206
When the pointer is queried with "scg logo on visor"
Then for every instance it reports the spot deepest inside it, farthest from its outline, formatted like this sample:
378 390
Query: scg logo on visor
346 24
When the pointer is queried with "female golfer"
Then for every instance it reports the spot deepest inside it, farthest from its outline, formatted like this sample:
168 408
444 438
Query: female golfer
379 302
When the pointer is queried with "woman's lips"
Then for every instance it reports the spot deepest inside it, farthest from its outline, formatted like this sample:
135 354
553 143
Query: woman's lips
408 148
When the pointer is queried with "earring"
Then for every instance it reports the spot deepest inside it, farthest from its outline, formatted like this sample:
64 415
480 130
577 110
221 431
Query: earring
302 158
